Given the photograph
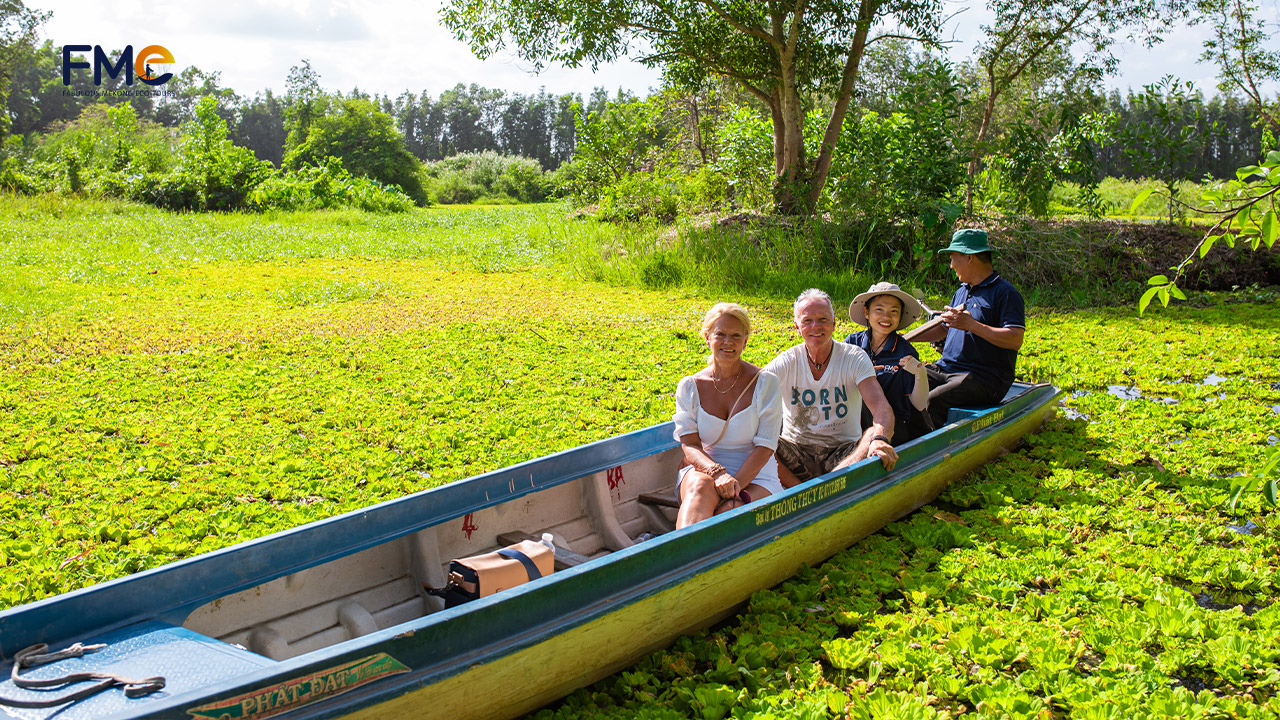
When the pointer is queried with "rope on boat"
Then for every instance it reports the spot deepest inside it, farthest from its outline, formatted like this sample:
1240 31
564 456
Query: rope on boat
39 655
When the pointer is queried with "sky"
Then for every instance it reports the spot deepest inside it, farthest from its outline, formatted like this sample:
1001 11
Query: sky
389 46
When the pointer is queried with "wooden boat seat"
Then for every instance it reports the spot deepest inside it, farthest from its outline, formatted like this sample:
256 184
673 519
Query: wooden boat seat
659 500
565 558
956 414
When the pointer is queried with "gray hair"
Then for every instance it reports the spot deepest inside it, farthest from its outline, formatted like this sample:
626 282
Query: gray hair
813 294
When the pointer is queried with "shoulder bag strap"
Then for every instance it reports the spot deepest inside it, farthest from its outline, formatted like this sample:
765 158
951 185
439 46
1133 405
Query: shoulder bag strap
733 405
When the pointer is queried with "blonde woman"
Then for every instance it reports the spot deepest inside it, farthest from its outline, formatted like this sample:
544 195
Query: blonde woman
727 419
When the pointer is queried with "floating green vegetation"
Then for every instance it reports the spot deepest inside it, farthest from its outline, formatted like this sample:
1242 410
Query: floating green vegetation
168 398
1097 572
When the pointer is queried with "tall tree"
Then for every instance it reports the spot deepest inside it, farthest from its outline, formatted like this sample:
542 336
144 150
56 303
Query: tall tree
1025 33
563 137
260 127
304 102
1239 48
18 25
780 51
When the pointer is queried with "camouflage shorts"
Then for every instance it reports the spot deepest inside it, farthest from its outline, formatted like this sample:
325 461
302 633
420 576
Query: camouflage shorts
808 461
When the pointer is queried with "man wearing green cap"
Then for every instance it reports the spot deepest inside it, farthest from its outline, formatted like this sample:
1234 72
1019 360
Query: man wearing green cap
984 325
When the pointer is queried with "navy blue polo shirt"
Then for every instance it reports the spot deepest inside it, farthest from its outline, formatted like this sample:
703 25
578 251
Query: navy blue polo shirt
896 382
994 302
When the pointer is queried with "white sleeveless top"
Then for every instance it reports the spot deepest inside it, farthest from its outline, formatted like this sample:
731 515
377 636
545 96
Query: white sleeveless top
756 425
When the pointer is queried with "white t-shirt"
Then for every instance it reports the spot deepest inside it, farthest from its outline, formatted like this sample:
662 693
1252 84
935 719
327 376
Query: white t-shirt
825 412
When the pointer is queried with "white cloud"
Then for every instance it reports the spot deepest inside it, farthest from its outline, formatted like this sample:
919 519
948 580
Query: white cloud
383 47
317 20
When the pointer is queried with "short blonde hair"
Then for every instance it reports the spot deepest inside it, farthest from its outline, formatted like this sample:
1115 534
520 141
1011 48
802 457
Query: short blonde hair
719 310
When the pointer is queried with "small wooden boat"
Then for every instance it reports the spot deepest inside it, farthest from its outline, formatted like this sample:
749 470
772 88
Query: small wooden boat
331 619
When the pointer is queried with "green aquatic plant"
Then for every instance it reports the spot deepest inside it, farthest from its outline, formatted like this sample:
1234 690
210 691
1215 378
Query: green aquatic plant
275 371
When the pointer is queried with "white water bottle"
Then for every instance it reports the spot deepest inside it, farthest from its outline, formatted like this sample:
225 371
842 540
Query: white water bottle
549 541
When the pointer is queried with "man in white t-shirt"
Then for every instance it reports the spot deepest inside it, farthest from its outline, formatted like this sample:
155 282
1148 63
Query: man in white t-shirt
824 384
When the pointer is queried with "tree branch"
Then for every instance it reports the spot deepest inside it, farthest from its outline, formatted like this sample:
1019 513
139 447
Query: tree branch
734 23
714 66
793 34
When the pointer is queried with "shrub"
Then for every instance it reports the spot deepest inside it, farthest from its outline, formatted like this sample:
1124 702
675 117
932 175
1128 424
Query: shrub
468 177
454 188
903 167
704 190
327 186
368 144
98 151
746 159
172 191
612 144
13 177
14 180
221 173
640 195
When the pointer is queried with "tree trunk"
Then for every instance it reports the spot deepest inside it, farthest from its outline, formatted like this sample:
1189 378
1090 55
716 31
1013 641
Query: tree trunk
976 159
791 173
848 78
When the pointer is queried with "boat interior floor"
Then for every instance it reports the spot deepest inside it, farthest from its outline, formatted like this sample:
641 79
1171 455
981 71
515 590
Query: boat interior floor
382 586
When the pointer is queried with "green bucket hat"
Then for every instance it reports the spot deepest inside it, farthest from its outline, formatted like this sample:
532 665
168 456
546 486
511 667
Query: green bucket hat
969 242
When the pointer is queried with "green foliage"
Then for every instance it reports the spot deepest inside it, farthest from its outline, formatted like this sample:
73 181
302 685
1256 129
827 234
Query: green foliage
211 172
818 51
13 179
327 186
746 158
108 152
101 153
1116 197
613 144
1076 147
903 168
366 141
660 157
18 25
1020 178
1239 47
640 195
486 177
1246 209
1160 144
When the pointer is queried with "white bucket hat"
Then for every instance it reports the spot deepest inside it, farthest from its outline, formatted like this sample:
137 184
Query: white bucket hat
911 310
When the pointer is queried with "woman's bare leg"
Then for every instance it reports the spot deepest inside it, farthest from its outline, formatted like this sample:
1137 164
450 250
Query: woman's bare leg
698 498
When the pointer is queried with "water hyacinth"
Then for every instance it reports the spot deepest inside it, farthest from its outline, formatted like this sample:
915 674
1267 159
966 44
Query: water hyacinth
218 378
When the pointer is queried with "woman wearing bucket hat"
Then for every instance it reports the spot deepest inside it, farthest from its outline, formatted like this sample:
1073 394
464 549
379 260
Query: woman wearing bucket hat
884 309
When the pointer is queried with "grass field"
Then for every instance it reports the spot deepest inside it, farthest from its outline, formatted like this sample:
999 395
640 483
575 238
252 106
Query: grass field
177 383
